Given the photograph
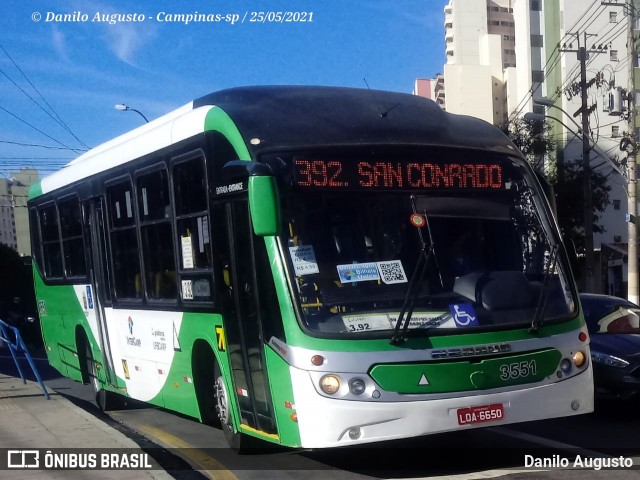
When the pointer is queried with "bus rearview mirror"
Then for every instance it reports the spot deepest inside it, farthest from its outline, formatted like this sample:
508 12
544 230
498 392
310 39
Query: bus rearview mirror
264 205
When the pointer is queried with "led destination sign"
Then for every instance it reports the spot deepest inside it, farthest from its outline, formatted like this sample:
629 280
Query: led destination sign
392 174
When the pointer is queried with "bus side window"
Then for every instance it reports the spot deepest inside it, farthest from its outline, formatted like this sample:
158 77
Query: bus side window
36 243
72 237
193 230
51 249
154 212
124 241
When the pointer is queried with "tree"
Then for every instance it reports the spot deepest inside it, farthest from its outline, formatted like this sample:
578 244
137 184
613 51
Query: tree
533 139
18 280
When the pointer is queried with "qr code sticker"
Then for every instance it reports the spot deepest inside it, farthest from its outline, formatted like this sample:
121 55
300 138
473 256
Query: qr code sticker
392 272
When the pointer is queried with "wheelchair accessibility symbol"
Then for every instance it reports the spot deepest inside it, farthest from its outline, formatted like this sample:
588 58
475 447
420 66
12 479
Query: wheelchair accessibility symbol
463 314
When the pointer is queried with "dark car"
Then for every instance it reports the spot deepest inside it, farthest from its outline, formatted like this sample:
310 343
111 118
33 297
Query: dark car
614 328
18 314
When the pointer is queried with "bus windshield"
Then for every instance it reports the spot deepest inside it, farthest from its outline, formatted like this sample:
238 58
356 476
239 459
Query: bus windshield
459 245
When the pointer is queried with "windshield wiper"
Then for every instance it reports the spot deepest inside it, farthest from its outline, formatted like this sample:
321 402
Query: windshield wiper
426 253
544 295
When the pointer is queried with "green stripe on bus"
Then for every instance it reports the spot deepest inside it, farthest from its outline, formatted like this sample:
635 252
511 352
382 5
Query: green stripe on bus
463 375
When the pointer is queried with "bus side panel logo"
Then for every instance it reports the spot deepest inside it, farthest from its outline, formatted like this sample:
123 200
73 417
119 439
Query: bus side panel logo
220 340
89 296
125 367
42 308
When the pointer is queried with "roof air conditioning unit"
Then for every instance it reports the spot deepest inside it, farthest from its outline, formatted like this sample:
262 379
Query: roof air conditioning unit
615 101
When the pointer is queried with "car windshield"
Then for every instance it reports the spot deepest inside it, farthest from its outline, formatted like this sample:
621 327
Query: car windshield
456 258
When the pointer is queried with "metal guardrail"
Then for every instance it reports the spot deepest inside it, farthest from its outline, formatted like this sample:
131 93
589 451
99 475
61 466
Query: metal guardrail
11 336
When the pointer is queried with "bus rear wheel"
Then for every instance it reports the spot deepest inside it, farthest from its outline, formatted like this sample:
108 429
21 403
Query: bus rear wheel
236 440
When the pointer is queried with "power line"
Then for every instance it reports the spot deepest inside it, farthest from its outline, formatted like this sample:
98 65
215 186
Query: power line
36 158
59 120
20 144
613 32
38 130
522 104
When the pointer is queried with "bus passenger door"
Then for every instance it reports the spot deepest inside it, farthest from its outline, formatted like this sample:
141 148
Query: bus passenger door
240 295
99 277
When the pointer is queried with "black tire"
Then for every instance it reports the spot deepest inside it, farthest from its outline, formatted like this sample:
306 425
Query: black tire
90 371
104 399
203 379
236 440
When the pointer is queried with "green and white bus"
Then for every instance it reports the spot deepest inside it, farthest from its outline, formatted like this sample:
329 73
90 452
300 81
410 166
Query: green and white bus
314 267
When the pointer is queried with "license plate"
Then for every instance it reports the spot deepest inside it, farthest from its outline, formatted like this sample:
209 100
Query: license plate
480 414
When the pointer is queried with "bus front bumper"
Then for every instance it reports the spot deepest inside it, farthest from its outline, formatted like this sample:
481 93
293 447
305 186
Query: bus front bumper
329 422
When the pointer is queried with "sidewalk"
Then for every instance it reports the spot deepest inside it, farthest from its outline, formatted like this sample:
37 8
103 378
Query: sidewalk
29 421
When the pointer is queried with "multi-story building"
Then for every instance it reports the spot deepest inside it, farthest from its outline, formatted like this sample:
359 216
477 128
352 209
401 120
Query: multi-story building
14 217
602 31
425 87
480 52
432 88
504 58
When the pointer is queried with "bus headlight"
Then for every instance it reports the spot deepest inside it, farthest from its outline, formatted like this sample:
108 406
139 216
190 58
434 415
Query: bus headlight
579 359
330 384
357 386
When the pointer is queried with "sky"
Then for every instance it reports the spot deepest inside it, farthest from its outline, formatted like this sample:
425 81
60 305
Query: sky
60 77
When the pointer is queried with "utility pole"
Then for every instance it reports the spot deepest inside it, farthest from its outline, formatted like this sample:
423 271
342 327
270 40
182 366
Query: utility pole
632 253
585 111
586 171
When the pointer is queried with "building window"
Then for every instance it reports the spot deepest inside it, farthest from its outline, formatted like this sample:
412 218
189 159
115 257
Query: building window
539 109
537 76
536 41
613 17
615 131
495 23
613 55
535 5
616 204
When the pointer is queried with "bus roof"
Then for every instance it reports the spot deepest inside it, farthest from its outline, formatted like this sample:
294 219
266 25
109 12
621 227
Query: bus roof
296 116
293 117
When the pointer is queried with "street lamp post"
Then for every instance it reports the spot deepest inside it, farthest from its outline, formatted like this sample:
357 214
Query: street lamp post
123 108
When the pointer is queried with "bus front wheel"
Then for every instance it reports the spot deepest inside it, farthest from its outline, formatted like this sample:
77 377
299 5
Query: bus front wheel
223 411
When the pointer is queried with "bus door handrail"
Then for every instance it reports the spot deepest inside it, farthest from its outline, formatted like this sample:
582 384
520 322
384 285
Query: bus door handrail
17 345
